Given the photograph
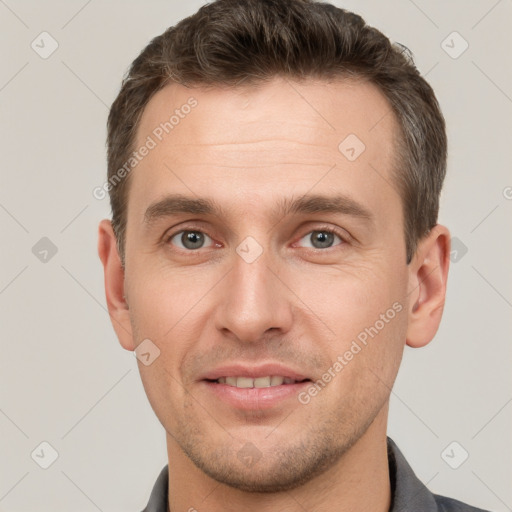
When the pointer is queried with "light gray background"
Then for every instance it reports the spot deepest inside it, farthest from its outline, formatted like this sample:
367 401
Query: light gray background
64 377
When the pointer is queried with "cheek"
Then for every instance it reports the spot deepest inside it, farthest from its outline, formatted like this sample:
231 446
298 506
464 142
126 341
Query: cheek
167 307
349 298
162 300
363 316
164 392
373 350
160 311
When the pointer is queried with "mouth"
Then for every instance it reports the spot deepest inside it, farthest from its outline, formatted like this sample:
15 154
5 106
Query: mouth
258 382
266 385
271 394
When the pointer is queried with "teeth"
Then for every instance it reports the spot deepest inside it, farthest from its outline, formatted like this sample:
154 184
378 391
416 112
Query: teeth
276 381
244 382
231 381
262 382
259 382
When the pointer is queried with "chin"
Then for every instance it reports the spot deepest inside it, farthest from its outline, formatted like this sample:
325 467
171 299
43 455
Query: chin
277 471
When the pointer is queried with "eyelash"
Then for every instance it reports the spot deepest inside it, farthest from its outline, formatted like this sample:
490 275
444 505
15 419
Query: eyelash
325 229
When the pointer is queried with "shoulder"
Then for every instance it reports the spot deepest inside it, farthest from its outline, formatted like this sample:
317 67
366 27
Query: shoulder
409 493
445 504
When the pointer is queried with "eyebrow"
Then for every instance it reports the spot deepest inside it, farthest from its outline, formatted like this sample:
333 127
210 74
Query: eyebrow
178 204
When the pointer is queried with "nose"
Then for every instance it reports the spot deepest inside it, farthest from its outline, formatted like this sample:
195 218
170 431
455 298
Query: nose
254 301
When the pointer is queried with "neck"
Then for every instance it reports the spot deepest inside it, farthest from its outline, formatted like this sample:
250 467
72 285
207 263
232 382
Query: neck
358 481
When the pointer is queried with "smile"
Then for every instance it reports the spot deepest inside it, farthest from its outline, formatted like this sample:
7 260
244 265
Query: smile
259 382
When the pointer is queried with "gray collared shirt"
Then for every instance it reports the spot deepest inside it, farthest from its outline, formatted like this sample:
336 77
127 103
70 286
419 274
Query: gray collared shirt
408 493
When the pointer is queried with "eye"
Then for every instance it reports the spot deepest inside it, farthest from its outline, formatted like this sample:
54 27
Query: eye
322 238
189 239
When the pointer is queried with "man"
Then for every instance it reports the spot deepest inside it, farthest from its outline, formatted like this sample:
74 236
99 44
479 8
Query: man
274 170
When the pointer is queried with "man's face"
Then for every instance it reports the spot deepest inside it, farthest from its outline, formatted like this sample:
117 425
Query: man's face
199 289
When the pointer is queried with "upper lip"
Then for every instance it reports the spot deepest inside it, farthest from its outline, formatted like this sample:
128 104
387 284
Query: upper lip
253 371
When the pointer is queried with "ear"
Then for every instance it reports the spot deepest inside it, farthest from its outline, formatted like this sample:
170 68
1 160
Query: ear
114 284
428 274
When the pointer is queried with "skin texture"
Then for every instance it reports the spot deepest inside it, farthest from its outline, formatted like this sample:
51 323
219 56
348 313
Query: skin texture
296 304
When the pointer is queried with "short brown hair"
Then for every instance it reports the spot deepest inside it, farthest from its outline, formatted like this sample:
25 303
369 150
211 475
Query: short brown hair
228 42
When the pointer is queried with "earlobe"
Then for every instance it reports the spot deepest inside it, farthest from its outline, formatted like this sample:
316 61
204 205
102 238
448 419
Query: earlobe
427 286
114 284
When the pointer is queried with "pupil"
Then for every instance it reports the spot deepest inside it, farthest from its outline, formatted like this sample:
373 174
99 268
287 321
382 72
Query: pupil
192 239
324 238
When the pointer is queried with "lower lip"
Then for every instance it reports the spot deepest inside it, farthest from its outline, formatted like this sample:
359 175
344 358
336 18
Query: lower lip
255 398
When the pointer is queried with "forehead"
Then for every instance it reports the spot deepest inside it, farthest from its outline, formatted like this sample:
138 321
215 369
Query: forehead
247 143
239 114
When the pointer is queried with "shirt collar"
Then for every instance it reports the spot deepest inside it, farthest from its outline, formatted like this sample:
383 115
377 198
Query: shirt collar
407 491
